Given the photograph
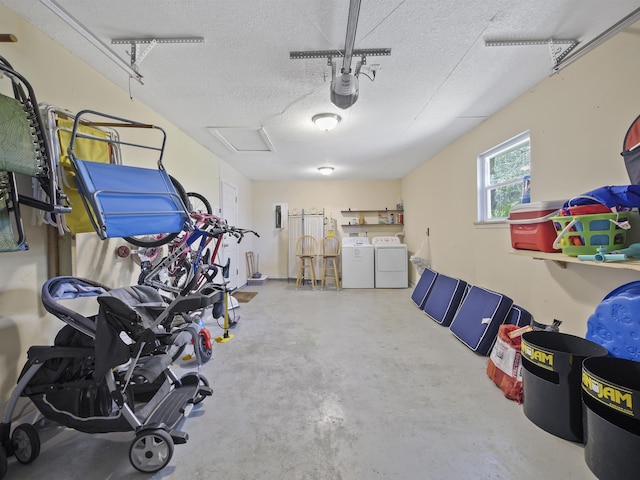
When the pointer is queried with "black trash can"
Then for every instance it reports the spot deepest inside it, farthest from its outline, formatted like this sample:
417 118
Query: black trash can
611 396
551 380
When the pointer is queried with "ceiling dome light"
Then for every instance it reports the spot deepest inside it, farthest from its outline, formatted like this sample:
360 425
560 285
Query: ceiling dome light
326 170
326 121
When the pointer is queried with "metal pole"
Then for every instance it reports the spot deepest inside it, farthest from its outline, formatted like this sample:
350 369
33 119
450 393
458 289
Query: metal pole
350 40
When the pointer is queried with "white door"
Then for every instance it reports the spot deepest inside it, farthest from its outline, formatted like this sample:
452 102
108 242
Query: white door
229 245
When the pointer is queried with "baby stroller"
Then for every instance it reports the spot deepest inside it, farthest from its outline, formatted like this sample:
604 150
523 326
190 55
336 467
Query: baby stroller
110 372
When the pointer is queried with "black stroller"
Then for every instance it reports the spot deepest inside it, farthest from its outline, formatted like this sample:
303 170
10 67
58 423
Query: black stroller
110 372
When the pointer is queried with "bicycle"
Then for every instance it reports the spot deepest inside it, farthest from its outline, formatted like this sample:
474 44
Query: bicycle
188 269
175 272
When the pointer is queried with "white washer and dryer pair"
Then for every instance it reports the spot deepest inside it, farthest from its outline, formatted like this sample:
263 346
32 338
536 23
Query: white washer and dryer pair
391 263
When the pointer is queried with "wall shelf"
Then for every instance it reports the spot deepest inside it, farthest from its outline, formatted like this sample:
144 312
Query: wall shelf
371 218
562 260
346 212
373 225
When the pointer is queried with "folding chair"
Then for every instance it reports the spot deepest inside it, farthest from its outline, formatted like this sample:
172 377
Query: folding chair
23 151
123 200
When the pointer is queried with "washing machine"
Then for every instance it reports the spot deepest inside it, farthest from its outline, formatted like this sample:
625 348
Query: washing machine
357 263
391 263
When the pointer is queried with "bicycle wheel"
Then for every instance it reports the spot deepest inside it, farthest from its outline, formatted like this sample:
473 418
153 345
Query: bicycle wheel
156 240
198 203
188 279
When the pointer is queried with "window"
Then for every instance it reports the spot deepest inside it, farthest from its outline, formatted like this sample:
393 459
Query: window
501 176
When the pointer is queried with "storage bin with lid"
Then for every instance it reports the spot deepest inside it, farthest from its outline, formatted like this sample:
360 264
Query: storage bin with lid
531 227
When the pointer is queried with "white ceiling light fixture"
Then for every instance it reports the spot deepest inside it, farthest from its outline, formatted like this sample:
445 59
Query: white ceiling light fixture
326 170
326 121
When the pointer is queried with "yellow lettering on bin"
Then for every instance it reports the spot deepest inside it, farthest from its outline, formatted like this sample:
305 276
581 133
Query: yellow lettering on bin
539 357
616 396
543 357
609 395
589 383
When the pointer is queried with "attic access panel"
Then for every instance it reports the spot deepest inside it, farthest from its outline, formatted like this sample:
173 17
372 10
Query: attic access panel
243 139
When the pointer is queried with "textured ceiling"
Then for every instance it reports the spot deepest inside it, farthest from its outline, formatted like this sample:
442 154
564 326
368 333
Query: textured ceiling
439 82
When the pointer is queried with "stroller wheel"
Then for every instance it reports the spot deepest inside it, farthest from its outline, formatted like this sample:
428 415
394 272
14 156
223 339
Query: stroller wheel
205 345
151 450
4 466
26 443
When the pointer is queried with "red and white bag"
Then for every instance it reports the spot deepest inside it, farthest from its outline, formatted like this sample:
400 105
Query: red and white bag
505 365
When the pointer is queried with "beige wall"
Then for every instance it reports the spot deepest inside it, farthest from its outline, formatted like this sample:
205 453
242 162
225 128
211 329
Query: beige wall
61 79
577 120
332 196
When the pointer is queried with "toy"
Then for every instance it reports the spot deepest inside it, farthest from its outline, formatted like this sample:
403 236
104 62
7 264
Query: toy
633 251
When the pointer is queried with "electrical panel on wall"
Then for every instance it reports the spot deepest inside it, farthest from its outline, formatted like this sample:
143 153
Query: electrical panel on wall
280 215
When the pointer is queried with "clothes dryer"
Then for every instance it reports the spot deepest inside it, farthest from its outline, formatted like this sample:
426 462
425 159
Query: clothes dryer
391 263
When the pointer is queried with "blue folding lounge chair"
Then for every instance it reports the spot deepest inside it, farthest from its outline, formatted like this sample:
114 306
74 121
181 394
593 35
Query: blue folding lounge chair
423 287
122 200
480 315
444 298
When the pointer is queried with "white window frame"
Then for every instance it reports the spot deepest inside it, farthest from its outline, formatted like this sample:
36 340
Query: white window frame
484 185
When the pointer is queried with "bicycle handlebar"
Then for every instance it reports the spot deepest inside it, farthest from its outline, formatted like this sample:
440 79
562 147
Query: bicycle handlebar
216 232
215 226
239 233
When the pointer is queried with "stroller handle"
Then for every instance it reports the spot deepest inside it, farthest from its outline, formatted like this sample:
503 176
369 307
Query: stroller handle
65 287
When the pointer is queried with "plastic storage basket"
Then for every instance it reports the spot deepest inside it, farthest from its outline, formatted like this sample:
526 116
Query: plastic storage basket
584 234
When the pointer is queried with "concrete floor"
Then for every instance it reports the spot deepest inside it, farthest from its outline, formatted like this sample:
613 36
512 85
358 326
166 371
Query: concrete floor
335 385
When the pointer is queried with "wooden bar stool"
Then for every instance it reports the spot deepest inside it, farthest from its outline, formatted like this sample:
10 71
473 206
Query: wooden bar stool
330 253
306 251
